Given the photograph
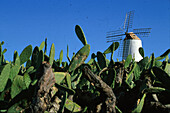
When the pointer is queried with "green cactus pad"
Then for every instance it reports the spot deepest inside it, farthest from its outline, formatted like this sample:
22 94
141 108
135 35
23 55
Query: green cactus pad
25 55
16 67
167 68
52 54
61 57
79 58
162 76
139 107
40 59
137 72
143 63
45 49
80 34
59 76
101 60
2 43
68 80
16 58
110 49
28 63
128 61
72 106
34 58
17 85
130 75
163 55
4 51
42 45
15 108
141 51
68 54
152 61
14 71
31 68
154 90
111 78
27 80
4 76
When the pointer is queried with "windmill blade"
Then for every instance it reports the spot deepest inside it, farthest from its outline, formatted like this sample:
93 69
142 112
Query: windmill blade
114 32
142 32
120 35
128 20
114 36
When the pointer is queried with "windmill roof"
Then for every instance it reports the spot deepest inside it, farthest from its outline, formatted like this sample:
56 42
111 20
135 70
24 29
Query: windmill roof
131 35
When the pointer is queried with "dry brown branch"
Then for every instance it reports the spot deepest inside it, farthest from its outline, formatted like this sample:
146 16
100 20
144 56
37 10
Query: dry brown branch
41 100
109 99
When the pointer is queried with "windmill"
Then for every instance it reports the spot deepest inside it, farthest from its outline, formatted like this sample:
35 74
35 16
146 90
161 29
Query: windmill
131 43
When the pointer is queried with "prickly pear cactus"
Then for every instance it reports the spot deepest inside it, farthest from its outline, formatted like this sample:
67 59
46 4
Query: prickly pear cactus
36 82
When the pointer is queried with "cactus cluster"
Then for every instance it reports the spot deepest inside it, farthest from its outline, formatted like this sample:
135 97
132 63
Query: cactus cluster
142 86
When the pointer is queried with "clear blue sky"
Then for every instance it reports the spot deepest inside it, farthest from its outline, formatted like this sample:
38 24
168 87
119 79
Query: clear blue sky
24 22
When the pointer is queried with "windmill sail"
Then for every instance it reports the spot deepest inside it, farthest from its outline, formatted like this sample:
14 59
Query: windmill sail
114 36
128 20
142 32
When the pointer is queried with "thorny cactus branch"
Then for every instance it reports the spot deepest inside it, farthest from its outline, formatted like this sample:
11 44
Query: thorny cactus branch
110 98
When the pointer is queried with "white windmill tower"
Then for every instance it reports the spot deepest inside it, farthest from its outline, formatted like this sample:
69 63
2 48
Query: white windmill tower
131 43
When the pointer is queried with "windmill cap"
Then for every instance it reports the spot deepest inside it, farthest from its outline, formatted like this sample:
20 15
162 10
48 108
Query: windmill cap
131 35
